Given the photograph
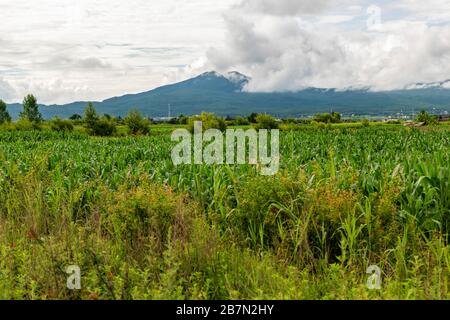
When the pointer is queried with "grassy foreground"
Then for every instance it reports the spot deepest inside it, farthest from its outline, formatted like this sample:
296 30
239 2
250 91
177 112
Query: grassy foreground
140 228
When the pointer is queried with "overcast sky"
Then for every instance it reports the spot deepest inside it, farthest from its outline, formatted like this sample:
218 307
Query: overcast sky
67 50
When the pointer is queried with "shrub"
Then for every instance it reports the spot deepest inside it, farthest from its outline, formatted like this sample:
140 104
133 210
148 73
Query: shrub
265 121
75 117
209 121
304 121
179 120
290 121
150 212
289 127
183 119
426 118
60 125
334 117
365 123
26 125
252 118
239 121
321 125
103 128
136 123
7 126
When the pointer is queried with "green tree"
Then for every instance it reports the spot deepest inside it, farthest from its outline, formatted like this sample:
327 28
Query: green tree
4 115
76 117
183 120
265 121
103 127
31 109
179 120
209 121
365 123
426 118
239 121
90 116
60 125
252 118
334 117
136 123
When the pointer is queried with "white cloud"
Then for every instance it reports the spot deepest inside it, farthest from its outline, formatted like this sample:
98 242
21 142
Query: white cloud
283 7
335 19
6 90
98 49
296 51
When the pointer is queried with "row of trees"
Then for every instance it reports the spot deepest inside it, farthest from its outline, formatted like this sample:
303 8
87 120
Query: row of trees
211 121
105 126
94 124
30 111
136 123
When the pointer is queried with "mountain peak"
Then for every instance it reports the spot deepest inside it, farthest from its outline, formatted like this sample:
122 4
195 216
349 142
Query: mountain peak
231 81
228 75
238 78
210 74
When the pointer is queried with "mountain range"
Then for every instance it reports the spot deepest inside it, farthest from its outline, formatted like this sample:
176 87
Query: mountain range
225 94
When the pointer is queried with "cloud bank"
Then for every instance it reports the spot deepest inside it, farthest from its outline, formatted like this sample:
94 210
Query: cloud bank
346 44
282 7
65 50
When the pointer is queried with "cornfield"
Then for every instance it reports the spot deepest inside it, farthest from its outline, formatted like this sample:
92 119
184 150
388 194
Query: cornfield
141 228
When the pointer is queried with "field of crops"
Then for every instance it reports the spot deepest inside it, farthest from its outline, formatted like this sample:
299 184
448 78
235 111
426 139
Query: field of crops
141 228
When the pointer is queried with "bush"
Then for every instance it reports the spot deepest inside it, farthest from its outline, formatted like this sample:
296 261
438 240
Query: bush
26 125
239 121
426 118
265 121
365 123
75 117
252 118
179 120
334 117
290 121
150 212
7 126
321 125
304 121
136 123
209 121
103 128
119 121
183 120
60 125
290 127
